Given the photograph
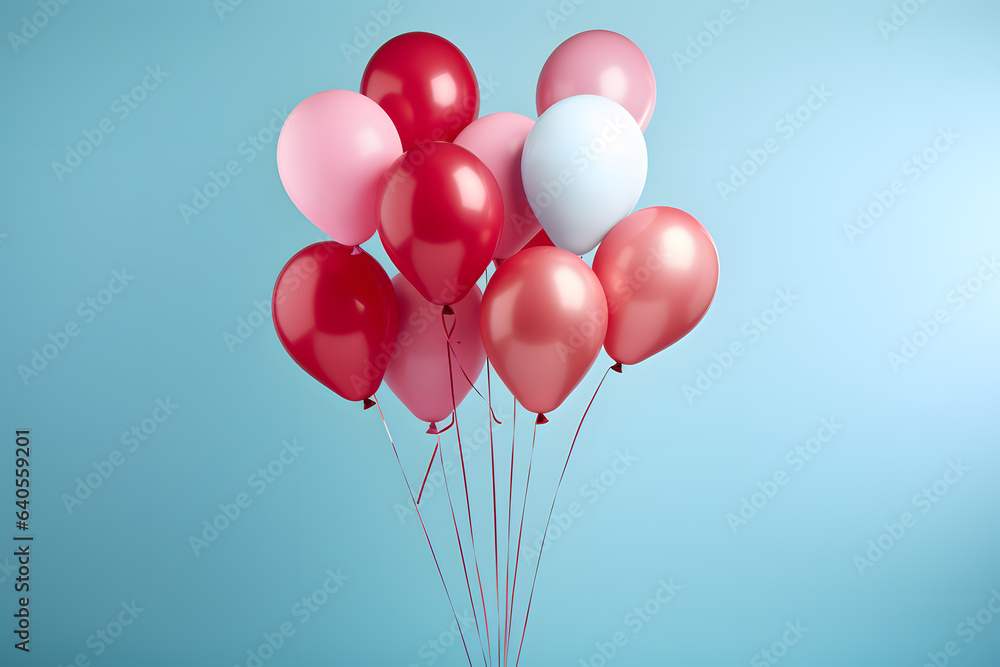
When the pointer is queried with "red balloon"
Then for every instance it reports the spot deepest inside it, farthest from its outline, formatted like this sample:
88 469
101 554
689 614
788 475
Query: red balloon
543 321
440 216
418 375
540 240
425 84
335 313
660 269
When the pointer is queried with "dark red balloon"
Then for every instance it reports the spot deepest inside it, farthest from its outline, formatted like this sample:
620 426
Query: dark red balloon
425 85
440 216
335 313
539 240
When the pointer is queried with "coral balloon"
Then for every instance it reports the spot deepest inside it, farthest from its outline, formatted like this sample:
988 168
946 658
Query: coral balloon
425 84
418 374
440 216
498 140
332 152
599 62
659 268
335 313
584 167
544 318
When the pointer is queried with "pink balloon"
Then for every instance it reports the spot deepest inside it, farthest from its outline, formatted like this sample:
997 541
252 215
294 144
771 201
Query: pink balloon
332 152
418 373
498 140
543 321
599 62
659 268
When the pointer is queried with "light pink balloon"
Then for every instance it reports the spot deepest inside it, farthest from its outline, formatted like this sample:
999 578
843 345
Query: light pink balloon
498 141
418 375
332 152
660 269
599 62
544 318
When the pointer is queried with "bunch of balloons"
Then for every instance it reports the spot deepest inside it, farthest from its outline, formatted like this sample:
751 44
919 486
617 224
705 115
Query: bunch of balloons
449 193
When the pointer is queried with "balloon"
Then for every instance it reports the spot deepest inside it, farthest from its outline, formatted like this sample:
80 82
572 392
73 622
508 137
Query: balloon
418 375
498 140
543 321
425 84
440 216
659 268
332 152
584 167
599 62
540 239
335 313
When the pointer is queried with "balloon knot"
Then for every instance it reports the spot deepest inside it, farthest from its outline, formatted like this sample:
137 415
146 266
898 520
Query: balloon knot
617 368
433 428
447 310
356 250
369 403
541 419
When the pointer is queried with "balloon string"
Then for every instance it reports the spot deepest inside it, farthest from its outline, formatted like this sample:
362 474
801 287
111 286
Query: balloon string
428 473
493 475
461 551
617 368
447 333
465 485
426 534
520 531
496 539
510 499
433 429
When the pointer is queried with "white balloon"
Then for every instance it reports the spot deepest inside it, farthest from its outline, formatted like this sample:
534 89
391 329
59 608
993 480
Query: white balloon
583 168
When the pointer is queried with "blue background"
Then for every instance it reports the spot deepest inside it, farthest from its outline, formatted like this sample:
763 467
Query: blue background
341 503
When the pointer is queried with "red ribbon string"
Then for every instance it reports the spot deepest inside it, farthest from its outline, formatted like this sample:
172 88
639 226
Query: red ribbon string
517 558
426 534
447 333
510 500
493 471
428 473
434 429
461 551
465 485
617 368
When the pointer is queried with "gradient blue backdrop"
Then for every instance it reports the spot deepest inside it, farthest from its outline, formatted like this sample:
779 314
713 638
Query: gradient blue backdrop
340 504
